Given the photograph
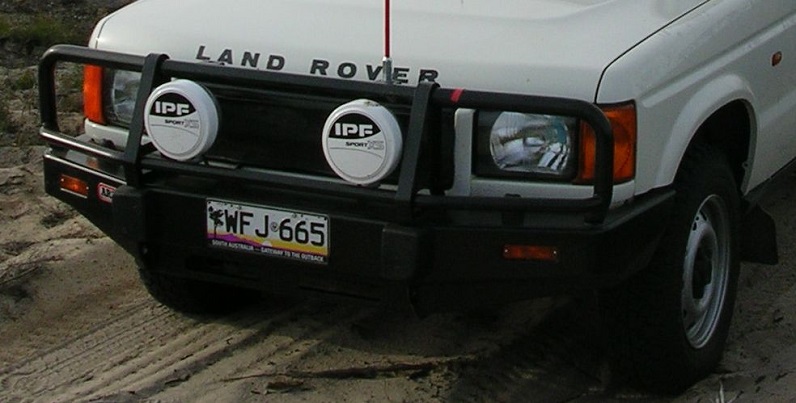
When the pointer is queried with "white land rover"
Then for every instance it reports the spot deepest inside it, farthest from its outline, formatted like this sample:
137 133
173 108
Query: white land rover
441 154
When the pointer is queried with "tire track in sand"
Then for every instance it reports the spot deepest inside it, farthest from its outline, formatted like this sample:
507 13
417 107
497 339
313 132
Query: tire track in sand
148 348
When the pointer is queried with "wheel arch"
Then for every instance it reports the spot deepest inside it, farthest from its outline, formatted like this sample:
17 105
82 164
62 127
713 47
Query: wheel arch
729 130
720 114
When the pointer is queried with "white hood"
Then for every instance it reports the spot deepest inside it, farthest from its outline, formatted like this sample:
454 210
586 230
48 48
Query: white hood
545 47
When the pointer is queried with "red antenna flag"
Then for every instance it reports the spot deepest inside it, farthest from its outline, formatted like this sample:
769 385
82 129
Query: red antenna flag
387 61
387 28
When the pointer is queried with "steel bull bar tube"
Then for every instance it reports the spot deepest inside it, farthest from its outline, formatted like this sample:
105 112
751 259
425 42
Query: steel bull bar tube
426 100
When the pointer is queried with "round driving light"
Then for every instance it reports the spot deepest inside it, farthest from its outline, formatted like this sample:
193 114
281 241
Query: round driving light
182 119
362 142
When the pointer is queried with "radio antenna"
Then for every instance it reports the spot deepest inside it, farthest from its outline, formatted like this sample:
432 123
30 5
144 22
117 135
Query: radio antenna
387 60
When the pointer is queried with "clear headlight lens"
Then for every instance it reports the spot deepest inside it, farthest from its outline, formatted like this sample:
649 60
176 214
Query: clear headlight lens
121 92
526 145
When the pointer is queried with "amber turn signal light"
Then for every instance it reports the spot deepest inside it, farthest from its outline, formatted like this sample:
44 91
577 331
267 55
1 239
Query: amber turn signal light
92 94
623 124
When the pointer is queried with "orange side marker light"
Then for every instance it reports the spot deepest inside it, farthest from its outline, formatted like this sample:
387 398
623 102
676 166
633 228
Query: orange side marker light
74 186
531 252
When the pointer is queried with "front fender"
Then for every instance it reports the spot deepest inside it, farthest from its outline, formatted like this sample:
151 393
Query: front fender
708 99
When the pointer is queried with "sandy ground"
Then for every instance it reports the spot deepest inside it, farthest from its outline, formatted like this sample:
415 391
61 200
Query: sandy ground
75 324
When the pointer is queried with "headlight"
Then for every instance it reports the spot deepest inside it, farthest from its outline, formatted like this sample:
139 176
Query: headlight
511 144
121 90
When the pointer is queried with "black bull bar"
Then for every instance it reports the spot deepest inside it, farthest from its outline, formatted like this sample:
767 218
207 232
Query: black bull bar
426 100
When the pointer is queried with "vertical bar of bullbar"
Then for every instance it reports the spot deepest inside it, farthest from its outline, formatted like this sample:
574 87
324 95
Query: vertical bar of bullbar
47 105
407 181
150 78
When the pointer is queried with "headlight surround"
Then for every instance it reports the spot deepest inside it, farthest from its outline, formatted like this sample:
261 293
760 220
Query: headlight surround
523 145
121 91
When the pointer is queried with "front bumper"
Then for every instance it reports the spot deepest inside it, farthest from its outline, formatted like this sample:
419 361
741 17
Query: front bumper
442 261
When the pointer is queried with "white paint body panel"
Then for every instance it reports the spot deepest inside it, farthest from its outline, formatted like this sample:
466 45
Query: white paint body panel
678 60
718 54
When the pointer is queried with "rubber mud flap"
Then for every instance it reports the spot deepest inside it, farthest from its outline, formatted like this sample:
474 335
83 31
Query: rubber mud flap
759 237
402 252
129 216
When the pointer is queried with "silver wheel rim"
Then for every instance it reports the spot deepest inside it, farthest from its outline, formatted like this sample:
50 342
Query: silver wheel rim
705 271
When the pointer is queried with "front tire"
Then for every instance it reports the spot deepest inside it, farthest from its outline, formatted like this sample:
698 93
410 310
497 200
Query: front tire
673 318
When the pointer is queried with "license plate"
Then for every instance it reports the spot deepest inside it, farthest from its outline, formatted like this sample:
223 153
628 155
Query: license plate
268 231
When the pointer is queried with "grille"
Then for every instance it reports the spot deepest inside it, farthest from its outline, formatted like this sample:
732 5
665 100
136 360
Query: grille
278 131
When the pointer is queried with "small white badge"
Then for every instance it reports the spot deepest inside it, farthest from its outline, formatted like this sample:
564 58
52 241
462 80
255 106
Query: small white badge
105 192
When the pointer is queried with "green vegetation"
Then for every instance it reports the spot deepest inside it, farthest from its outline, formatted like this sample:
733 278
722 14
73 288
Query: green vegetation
38 31
25 81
